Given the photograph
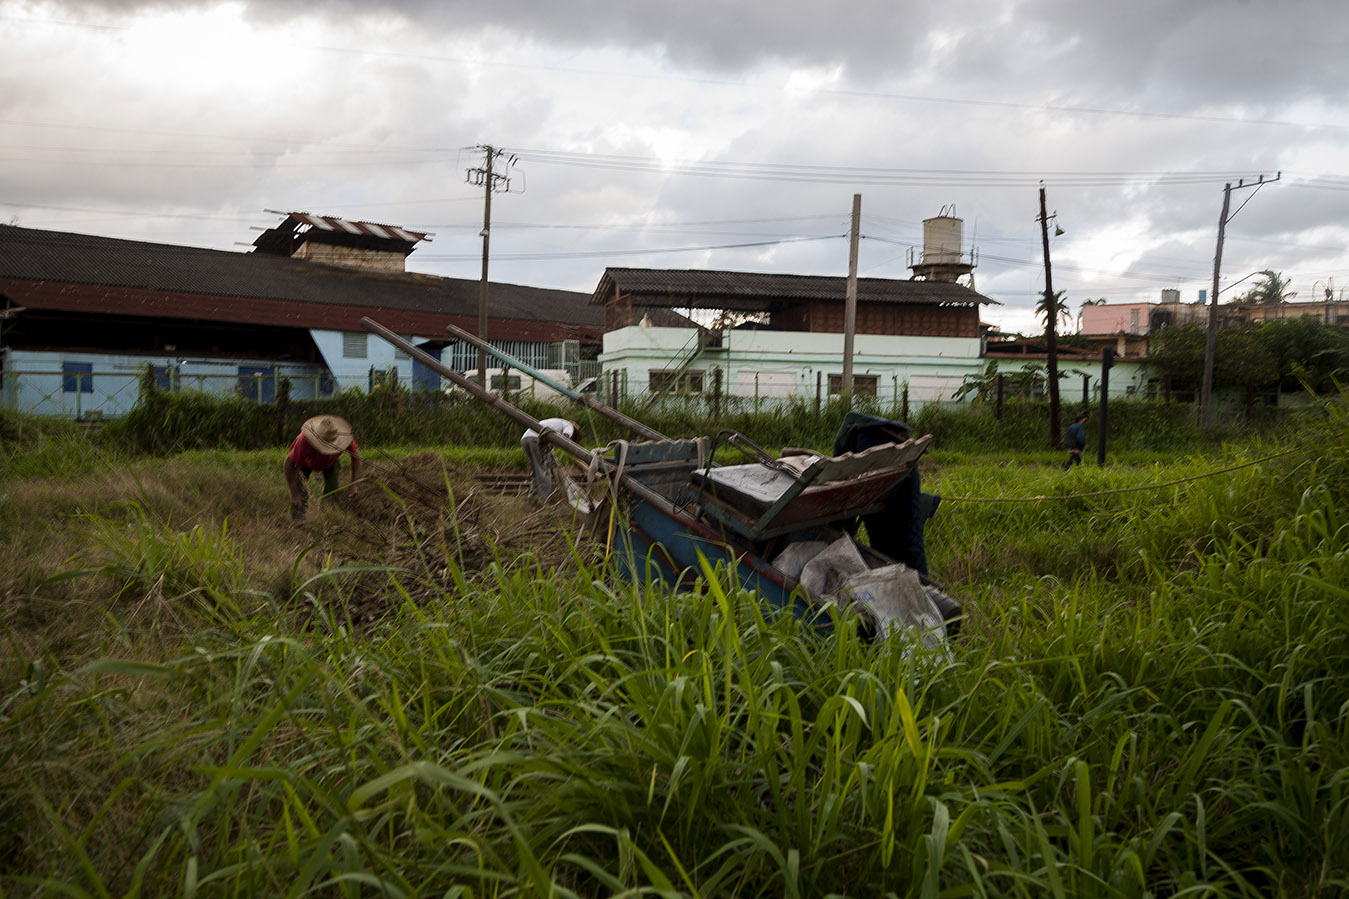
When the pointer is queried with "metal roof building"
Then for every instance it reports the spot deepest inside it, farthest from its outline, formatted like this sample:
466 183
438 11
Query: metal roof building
97 306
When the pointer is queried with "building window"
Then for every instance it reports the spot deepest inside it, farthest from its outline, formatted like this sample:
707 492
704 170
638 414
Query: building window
77 377
353 345
166 377
673 382
257 383
862 385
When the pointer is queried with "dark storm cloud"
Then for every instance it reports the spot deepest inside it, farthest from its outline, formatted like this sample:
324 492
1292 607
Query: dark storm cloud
1040 89
1158 54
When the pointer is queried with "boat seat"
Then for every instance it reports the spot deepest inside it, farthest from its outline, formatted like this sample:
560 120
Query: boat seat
764 499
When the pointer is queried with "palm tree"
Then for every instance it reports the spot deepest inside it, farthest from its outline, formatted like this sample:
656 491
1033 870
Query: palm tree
1270 290
1052 308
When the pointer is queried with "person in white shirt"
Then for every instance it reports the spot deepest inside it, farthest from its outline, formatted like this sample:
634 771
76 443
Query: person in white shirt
542 464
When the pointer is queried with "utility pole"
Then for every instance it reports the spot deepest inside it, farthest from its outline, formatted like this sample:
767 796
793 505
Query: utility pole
1051 329
850 301
489 180
1211 339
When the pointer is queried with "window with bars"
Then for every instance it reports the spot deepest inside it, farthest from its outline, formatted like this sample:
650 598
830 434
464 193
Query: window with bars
166 377
673 382
77 377
862 385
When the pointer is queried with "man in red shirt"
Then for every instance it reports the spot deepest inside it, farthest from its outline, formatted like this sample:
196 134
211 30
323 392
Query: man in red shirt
320 446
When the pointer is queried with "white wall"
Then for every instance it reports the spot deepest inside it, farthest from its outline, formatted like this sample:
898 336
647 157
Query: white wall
784 364
1127 378
378 353
34 381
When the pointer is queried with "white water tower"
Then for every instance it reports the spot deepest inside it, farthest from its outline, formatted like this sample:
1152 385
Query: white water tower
943 257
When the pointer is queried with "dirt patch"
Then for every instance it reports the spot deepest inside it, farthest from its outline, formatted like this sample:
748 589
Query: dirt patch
431 528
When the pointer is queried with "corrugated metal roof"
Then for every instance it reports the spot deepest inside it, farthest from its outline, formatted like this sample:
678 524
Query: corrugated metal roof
59 270
710 289
331 223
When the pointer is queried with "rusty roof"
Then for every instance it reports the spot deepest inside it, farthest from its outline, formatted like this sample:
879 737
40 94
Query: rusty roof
346 226
760 292
77 272
297 227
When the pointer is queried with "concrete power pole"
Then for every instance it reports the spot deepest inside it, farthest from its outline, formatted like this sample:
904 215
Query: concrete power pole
850 302
489 180
1211 338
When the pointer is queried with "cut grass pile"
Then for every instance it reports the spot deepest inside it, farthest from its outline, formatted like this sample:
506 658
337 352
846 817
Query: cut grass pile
1152 699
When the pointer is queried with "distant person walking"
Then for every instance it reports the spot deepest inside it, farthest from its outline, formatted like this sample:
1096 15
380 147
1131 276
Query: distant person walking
542 464
323 441
1076 440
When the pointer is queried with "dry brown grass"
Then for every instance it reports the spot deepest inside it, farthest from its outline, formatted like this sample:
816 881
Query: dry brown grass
67 591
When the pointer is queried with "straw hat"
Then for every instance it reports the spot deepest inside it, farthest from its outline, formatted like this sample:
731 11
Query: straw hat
327 433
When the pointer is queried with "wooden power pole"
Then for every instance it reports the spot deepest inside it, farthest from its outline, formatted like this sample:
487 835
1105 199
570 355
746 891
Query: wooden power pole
1211 338
1051 329
487 177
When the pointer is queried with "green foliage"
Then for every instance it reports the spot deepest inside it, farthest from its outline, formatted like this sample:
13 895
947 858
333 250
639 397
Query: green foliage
1305 353
1052 309
41 447
1270 290
1288 354
1024 382
1149 698
1135 425
1178 352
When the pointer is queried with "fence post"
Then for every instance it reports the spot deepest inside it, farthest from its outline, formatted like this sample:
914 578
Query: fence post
997 408
716 394
1102 428
818 380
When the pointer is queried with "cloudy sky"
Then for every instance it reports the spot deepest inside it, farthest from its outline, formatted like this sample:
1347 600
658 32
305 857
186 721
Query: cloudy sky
725 134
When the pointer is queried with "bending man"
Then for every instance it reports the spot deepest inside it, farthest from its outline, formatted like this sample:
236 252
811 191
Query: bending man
322 442
542 464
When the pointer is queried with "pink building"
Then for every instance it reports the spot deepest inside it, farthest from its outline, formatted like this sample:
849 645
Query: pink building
1117 318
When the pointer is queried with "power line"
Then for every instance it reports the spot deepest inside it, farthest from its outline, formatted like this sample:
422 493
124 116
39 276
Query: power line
590 254
860 174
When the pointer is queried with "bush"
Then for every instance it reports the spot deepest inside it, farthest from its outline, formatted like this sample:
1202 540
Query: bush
164 423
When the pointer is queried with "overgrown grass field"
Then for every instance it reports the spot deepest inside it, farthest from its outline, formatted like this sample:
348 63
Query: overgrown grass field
1150 695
